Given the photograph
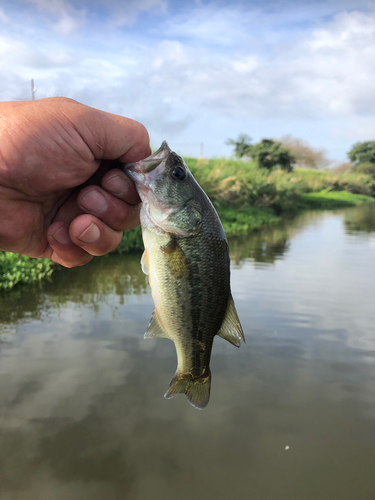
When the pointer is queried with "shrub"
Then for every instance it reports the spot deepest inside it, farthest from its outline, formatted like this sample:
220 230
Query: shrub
367 168
15 268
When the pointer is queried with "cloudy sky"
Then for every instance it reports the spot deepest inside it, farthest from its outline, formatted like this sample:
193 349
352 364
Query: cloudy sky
202 71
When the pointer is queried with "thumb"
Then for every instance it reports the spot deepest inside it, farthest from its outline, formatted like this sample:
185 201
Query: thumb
108 136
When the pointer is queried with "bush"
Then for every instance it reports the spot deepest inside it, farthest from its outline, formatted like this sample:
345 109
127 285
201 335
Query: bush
131 241
366 168
15 268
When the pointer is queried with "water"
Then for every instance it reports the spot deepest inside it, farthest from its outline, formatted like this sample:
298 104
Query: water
82 413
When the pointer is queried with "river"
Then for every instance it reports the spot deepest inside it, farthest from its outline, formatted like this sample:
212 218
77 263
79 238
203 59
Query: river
292 412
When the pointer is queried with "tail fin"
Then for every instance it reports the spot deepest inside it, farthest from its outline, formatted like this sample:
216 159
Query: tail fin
197 390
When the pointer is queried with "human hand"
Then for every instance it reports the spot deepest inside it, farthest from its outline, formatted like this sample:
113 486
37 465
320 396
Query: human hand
61 195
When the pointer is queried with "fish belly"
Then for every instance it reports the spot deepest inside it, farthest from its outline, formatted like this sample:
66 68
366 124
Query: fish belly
189 278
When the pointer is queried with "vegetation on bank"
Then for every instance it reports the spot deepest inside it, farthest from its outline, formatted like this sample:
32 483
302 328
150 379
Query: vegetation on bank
249 198
334 199
246 197
15 269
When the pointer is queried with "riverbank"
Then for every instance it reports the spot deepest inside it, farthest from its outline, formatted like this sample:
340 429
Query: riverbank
247 199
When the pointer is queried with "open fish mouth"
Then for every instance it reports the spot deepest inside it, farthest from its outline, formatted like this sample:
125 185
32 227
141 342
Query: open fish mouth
150 163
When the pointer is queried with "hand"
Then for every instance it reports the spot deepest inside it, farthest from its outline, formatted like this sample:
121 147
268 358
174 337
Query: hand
61 196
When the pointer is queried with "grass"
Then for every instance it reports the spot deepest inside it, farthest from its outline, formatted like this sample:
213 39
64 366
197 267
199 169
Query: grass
334 199
246 220
247 199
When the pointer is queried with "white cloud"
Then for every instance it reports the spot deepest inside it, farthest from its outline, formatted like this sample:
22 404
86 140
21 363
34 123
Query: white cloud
306 78
126 13
234 65
52 6
348 30
25 55
210 25
67 17
3 17
245 64
66 24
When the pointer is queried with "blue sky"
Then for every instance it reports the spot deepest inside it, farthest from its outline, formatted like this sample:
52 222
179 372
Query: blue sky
202 71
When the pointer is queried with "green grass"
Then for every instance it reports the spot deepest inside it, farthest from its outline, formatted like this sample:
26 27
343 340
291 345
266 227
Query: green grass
246 220
334 199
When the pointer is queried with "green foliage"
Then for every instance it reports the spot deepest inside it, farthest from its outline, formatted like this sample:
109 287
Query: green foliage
367 168
334 199
245 220
270 154
362 152
131 241
247 198
237 184
348 181
242 145
15 268
267 153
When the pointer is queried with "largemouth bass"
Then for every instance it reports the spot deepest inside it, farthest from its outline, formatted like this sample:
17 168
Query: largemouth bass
186 259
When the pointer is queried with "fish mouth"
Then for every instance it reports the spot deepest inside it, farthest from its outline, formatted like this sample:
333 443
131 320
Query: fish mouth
148 164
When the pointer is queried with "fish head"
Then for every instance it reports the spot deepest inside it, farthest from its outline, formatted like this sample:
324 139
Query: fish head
169 192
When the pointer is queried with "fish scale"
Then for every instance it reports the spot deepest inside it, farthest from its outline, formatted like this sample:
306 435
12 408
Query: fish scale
187 261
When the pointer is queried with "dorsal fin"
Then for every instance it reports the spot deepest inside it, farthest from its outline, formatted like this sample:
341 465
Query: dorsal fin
231 329
154 328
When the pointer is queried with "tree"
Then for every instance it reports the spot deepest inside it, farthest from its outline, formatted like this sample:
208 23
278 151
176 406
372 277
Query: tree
305 155
241 146
362 152
267 153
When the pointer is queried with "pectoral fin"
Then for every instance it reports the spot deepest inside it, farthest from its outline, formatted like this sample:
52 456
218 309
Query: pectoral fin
154 328
144 263
231 329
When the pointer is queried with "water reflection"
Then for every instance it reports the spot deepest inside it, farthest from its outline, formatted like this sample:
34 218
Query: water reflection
92 285
263 247
81 409
361 220
272 243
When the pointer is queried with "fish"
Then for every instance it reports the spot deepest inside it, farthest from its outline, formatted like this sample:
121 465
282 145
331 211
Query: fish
186 258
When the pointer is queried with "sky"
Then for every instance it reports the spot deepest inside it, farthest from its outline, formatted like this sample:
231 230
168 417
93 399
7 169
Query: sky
198 71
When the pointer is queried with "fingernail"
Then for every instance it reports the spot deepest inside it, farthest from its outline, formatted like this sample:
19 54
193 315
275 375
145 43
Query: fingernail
94 202
90 235
62 236
117 185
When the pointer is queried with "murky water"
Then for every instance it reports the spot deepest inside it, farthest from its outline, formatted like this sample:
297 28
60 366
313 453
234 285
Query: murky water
82 413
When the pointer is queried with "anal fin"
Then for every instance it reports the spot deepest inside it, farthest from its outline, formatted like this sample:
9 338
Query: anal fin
154 328
231 329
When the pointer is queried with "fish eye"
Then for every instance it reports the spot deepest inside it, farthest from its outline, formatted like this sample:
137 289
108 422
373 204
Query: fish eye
178 173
